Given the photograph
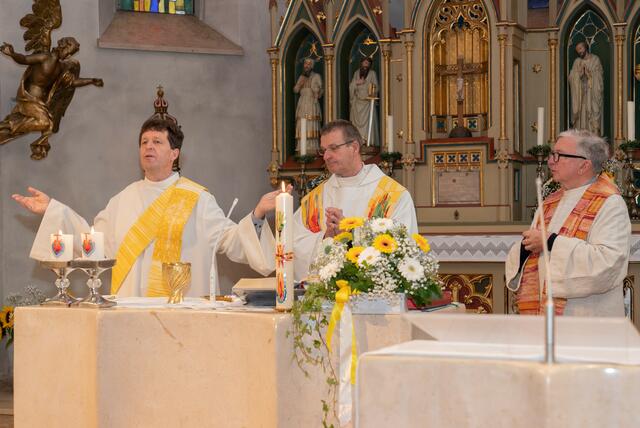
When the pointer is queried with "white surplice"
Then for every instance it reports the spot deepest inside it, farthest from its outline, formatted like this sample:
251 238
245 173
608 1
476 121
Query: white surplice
352 195
588 273
205 226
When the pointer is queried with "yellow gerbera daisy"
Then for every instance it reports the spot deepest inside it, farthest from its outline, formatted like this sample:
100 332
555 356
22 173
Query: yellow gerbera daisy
422 242
342 283
353 254
385 243
350 223
343 237
6 317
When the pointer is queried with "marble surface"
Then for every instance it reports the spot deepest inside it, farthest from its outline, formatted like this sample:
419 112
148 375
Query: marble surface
489 371
162 367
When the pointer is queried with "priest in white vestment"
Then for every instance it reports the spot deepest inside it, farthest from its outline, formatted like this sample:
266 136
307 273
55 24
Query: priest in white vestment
191 215
588 236
353 190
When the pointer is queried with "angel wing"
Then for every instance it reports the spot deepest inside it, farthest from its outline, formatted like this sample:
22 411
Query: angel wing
46 16
62 91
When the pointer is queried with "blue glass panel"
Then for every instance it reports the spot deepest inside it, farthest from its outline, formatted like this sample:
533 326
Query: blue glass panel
538 4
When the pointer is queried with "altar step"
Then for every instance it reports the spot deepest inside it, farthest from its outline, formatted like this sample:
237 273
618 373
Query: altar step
6 405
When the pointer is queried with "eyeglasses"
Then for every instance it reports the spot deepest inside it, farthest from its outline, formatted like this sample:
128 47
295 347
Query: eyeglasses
332 149
557 155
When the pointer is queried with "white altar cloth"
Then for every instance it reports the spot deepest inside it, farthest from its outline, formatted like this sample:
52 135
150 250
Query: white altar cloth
489 248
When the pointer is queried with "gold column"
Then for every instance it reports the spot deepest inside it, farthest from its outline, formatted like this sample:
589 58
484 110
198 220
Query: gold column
274 165
620 38
553 49
386 85
502 40
409 44
273 53
328 57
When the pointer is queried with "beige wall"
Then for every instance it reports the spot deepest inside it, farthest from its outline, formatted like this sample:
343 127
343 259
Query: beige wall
222 103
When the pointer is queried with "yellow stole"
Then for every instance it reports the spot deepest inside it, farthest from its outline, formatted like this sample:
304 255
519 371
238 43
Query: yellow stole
163 221
381 204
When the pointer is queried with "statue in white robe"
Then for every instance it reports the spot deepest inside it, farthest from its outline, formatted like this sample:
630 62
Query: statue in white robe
309 86
586 85
364 86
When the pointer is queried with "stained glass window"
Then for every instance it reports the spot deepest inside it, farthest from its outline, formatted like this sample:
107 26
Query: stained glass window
176 7
538 4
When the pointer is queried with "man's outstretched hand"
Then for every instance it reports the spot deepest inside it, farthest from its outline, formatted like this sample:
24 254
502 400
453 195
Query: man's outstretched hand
36 203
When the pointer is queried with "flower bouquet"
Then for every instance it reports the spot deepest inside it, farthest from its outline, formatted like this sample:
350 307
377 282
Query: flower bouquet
370 260
375 259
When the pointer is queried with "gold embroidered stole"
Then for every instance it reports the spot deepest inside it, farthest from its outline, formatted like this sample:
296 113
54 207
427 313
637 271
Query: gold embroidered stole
387 193
163 221
577 225
312 211
385 197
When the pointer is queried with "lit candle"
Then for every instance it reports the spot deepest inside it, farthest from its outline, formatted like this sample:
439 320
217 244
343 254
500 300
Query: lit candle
92 245
61 248
303 136
390 134
284 250
540 126
631 120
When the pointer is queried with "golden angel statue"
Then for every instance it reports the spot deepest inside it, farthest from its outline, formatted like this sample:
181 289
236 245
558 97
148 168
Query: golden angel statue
48 83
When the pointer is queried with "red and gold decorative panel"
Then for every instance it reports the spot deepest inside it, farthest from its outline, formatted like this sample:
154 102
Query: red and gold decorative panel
474 290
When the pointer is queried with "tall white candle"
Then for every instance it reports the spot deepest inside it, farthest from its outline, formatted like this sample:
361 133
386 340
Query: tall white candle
284 250
540 140
92 245
390 134
303 136
61 248
371 107
631 120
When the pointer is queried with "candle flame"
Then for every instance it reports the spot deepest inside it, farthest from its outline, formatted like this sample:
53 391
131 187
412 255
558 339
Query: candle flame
284 189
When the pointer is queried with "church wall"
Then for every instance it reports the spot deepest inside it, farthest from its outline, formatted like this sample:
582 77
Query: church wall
222 102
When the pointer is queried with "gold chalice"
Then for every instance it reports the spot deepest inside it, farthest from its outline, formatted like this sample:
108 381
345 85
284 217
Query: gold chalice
178 277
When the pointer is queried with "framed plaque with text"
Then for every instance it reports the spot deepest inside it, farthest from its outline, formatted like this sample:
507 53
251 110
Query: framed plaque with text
457 178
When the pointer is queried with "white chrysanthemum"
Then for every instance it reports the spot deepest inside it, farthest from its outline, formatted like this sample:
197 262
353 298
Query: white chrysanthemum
369 255
411 269
329 271
327 245
380 225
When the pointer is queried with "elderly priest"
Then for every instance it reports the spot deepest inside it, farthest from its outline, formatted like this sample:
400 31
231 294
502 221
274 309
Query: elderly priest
588 236
353 190
164 217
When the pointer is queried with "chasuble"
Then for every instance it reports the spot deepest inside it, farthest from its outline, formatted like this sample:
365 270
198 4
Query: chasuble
587 271
370 193
205 228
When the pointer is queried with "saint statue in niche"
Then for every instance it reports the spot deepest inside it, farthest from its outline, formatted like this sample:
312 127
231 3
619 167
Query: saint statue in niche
586 86
309 86
362 89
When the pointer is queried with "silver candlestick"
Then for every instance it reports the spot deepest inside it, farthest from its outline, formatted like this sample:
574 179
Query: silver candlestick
94 268
62 270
